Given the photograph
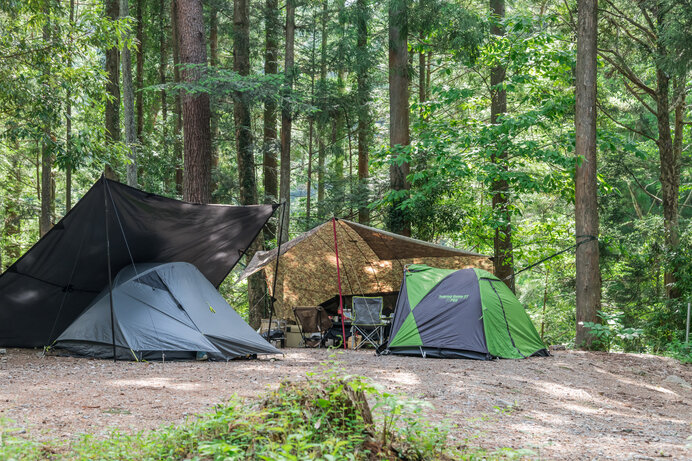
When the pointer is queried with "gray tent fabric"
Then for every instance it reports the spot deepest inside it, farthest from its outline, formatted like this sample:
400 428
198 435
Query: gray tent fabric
450 317
162 310
51 284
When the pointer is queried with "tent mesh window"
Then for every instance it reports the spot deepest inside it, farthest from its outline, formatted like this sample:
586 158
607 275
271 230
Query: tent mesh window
153 280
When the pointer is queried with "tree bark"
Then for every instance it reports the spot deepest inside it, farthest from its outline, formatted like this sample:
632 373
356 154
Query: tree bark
68 131
363 103
243 131
270 144
178 104
196 111
588 283
140 69
46 218
503 261
399 221
322 123
163 61
214 61
669 175
112 109
287 117
129 105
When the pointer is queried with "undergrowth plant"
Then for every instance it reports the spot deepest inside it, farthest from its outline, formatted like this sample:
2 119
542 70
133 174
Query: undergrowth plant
326 417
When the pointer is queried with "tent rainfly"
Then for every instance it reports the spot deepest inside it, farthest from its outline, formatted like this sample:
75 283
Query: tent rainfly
162 310
53 283
466 313
371 261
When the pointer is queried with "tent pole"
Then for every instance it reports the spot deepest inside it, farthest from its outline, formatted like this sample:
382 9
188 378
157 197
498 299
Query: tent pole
276 272
338 279
108 257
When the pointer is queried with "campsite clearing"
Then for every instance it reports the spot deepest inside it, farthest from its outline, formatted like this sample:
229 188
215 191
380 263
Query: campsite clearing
574 405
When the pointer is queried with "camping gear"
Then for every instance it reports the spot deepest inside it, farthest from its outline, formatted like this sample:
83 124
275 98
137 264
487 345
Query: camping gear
162 311
371 261
367 320
466 313
312 320
65 271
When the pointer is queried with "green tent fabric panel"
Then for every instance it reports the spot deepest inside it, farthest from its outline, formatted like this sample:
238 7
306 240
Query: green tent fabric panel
408 334
509 331
425 279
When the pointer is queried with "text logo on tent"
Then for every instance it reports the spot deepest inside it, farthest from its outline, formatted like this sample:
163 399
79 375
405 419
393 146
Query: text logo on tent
453 298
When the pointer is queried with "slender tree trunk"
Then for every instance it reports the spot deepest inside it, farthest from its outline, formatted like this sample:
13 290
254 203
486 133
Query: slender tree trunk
246 162
196 113
68 131
129 105
669 176
398 110
163 61
214 61
308 199
140 69
588 289
322 121
46 219
178 103
270 142
363 103
112 109
503 261
287 116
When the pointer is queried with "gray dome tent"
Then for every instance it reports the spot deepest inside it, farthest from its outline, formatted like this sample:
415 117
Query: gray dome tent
168 310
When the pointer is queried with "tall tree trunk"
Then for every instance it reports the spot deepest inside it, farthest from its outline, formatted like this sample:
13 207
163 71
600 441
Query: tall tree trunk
214 61
270 144
46 219
363 103
140 69
129 105
322 123
503 261
112 88
287 116
398 110
178 103
68 130
246 162
588 289
196 112
163 61
669 176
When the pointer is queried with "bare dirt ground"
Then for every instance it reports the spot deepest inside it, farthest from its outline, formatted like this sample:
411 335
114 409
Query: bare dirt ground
573 405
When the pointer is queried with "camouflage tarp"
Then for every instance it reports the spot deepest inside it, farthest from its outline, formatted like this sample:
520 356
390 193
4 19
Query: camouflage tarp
371 261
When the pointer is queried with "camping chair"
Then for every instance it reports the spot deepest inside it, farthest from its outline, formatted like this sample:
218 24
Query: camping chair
367 320
312 320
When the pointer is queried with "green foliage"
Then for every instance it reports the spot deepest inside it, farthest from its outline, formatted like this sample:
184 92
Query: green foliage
610 334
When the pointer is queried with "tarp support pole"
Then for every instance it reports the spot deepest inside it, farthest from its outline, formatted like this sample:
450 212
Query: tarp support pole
108 257
338 280
276 272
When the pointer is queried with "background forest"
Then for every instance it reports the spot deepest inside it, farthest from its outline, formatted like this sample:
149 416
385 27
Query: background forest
448 120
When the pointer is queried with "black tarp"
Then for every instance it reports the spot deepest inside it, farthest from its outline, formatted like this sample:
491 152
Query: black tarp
47 288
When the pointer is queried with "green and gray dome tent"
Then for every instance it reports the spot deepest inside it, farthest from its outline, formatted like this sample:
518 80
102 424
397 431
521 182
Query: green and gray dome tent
467 313
162 309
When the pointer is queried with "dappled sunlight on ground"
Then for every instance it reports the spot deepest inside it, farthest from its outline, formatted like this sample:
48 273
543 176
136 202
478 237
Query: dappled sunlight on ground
573 405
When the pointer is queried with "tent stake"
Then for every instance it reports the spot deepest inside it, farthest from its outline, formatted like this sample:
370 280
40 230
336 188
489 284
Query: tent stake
338 280
108 257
